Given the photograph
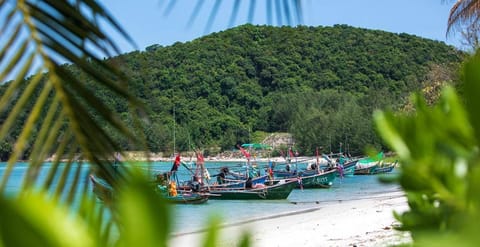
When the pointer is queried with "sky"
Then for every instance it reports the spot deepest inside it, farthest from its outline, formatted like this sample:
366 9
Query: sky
148 22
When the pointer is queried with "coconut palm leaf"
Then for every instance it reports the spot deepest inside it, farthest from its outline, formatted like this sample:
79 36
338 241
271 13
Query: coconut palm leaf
286 12
463 12
64 114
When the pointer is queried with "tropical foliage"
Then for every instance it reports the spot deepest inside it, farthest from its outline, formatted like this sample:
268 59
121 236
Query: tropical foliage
438 151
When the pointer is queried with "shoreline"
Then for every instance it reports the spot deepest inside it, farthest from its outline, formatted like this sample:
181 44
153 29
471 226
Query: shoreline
357 222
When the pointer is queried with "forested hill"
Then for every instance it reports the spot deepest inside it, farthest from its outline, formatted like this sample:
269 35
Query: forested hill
319 83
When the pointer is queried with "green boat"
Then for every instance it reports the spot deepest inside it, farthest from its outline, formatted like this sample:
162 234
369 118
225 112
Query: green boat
278 191
369 165
105 192
318 180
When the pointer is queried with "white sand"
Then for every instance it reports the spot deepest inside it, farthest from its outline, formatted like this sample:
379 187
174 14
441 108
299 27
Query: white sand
362 222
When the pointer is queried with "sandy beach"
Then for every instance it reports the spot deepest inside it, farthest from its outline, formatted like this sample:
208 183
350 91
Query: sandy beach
360 222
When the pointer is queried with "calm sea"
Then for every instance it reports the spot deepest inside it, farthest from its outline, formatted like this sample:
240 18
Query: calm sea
192 217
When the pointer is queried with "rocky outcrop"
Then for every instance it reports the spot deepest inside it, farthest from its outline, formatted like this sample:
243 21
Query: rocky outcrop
275 140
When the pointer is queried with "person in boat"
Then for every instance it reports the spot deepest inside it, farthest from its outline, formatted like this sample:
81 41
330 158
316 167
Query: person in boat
195 184
311 166
221 178
248 183
287 167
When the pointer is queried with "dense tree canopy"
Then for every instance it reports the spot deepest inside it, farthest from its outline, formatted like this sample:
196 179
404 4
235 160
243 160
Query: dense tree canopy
319 83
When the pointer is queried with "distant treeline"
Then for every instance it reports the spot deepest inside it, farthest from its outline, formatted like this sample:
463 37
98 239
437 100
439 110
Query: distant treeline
319 83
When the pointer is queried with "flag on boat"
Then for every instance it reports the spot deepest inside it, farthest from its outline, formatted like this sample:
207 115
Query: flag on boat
244 152
290 152
176 163
200 159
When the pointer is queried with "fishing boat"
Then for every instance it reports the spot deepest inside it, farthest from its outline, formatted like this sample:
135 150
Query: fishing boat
385 168
366 168
348 169
322 179
240 183
310 178
105 192
278 191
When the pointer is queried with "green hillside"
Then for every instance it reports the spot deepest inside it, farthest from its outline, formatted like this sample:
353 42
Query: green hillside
319 83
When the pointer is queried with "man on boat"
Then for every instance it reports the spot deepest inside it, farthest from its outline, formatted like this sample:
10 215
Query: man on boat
221 177
175 166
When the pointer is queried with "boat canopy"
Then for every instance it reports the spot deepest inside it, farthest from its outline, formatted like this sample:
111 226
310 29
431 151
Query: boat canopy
256 146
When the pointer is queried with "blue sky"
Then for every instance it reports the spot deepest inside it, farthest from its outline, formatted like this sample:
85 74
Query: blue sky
147 23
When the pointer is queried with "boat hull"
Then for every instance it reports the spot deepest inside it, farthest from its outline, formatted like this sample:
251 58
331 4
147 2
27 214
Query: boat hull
318 180
368 170
279 191
187 198
311 178
385 168
106 193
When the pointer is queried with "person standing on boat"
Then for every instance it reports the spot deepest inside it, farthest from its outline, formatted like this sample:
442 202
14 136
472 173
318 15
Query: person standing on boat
175 166
221 177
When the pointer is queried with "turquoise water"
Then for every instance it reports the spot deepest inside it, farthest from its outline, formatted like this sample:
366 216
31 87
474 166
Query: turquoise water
192 217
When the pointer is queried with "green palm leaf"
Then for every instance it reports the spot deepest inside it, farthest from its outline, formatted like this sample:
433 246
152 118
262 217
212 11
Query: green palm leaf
64 114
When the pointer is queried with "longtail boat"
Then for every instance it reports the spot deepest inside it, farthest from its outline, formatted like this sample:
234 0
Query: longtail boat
310 178
348 169
366 169
368 165
106 192
278 191
385 168
239 183
318 180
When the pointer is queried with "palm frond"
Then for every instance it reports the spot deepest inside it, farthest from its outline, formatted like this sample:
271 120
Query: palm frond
463 12
287 12
64 113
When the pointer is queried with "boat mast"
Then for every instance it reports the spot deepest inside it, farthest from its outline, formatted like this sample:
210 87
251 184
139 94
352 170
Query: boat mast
174 122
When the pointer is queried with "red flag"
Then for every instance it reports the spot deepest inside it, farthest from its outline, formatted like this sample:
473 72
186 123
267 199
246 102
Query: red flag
200 159
176 163
291 153
244 152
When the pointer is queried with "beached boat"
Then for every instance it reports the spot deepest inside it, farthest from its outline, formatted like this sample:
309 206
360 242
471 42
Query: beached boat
366 168
278 191
348 169
385 168
240 183
105 191
310 178
318 180
187 198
